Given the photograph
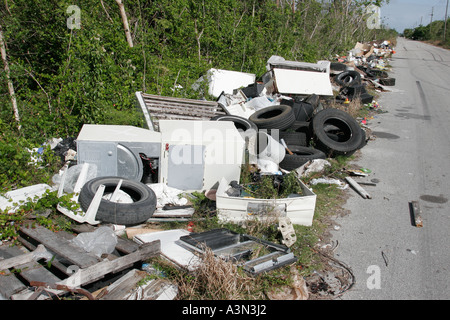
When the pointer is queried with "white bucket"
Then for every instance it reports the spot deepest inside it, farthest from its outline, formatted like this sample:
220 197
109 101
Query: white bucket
270 148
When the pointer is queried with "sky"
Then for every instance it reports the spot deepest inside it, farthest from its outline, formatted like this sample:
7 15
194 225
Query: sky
402 14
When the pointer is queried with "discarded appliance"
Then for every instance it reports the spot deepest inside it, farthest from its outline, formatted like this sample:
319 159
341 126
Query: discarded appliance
156 107
195 155
227 81
297 78
297 82
191 155
117 149
280 62
240 248
299 209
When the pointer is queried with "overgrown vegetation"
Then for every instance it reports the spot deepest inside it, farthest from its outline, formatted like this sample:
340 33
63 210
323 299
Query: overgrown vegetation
433 32
40 211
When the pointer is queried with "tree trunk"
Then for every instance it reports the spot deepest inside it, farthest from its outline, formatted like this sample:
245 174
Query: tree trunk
123 14
10 84
198 35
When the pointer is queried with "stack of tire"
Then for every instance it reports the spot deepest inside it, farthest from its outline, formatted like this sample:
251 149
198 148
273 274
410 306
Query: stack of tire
333 132
382 76
351 86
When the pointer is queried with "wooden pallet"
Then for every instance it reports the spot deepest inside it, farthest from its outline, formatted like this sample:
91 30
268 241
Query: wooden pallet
25 274
157 108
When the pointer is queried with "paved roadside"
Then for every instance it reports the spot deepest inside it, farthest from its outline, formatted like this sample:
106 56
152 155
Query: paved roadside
391 258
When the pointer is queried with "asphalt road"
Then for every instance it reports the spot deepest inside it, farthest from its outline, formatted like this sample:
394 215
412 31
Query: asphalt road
389 256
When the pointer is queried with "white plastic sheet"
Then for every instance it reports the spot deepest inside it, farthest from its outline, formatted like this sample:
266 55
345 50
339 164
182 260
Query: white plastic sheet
167 195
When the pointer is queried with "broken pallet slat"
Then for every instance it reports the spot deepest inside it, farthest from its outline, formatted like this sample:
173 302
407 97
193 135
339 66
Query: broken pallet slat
61 246
159 289
123 287
9 284
13 261
98 270
31 271
55 262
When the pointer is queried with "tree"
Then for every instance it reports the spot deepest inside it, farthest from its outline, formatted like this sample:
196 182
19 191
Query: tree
8 78
123 15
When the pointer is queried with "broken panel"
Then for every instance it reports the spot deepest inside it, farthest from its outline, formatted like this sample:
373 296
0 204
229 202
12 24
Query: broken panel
253 254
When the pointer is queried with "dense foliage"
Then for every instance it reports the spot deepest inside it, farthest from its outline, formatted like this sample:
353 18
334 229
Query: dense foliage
66 76
435 31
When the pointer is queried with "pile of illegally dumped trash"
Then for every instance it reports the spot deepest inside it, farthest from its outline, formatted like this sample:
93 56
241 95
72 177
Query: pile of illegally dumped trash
259 136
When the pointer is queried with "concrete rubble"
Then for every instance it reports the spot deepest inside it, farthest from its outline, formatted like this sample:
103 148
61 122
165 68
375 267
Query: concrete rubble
125 178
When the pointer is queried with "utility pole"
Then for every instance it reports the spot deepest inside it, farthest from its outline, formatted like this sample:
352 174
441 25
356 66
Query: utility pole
445 21
432 11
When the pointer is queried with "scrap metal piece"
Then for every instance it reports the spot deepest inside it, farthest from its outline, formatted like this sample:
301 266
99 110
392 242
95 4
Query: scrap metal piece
241 248
43 285
416 213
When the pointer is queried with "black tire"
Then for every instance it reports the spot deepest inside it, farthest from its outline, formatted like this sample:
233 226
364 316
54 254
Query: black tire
363 139
274 117
348 78
379 73
301 156
303 111
387 81
294 138
302 127
349 132
239 122
115 212
337 66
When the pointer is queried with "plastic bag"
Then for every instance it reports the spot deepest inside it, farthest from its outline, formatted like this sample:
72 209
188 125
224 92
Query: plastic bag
102 240
72 175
